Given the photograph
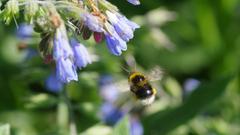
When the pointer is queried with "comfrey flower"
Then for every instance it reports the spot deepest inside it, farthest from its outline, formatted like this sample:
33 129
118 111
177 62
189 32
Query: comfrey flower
63 54
117 29
81 55
122 28
134 2
119 32
131 24
66 71
24 31
92 22
115 44
53 84
61 46
98 17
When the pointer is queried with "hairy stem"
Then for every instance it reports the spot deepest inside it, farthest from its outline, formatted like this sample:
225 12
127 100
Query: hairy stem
72 123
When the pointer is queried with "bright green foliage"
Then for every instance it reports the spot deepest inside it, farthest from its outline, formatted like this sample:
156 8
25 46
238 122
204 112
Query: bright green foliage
197 39
122 127
5 129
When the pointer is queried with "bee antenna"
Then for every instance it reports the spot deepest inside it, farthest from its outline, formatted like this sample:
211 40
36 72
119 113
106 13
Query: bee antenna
125 69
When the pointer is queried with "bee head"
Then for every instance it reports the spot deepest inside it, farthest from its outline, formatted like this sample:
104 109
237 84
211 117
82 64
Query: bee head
136 77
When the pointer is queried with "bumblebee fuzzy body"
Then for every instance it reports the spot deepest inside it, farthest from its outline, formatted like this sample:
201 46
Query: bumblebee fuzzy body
141 88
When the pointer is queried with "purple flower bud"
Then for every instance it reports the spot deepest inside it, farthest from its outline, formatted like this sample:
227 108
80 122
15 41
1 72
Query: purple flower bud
121 27
98 36
66 71
92 22
136 127
24 31
61 47
111 114
134 2
48 59
81 55
53 84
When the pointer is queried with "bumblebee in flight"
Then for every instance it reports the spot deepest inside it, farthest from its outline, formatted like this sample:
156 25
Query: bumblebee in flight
141 88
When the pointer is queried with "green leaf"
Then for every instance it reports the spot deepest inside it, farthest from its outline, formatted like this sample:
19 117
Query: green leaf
40 101
5 129
122 127
173 87
164 122
98 130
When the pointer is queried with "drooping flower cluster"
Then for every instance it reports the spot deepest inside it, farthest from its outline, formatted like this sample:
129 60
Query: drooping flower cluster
68 57
81 19
116 28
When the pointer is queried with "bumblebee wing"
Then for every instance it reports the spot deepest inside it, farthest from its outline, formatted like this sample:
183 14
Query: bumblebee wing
155 74
122 85
159 90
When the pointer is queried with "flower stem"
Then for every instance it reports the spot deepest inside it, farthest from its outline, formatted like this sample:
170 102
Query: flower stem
72 123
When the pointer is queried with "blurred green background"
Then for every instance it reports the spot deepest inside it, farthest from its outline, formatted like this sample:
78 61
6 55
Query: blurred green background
196 39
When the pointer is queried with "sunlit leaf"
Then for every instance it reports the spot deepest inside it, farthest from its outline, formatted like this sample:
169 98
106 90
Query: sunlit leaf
98 130
122 127
40 101
5 129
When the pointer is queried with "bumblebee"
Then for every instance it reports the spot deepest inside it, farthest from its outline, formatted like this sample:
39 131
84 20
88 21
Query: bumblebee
141 88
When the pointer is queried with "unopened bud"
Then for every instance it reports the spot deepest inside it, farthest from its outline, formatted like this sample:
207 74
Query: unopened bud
98 37
31 9
105 5
48 59
12 7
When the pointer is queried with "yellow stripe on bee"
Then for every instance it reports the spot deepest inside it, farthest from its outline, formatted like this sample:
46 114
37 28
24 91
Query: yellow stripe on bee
134 74
154 91
142 83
